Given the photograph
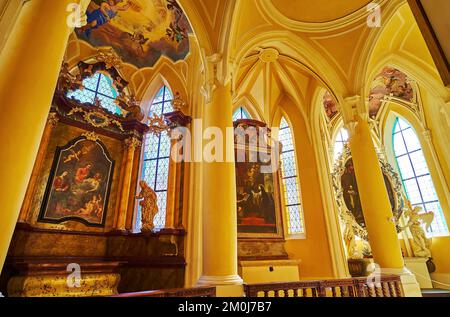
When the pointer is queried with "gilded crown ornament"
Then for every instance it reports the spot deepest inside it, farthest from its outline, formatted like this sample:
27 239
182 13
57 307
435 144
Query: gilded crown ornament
178 104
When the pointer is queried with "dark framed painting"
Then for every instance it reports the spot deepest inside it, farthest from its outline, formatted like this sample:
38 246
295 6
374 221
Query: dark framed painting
347 193
351 193
258 199
79 184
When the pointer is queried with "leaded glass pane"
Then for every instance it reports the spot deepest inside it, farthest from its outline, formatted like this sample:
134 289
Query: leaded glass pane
109 104
162 176
290 180
98 86
160 219
156 149
82 95
405 166
240 114
289 167
341 139
399 144
91 82
295 221
416 176
105 87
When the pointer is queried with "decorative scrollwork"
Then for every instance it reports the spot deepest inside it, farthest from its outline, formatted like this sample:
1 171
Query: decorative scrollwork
179 104
110 58
91 136
157 124
95 118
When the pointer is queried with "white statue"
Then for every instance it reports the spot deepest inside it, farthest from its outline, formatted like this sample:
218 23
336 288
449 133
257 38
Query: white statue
149 207
421 244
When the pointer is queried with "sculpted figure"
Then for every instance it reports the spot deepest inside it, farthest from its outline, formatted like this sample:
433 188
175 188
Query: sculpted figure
421 244
149 208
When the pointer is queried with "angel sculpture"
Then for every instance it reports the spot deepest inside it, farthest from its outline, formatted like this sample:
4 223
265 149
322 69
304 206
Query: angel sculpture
148 205
421 244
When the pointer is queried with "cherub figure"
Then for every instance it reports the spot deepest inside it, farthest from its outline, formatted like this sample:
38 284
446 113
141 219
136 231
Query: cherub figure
421 244
149 208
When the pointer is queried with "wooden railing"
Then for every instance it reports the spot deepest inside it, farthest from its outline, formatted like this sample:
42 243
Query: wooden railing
178 292
385 286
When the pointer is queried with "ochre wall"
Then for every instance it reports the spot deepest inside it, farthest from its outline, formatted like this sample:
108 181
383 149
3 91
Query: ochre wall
313 251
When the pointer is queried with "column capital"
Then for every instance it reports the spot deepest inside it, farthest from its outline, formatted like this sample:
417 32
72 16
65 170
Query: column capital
217 73
353 107
132 143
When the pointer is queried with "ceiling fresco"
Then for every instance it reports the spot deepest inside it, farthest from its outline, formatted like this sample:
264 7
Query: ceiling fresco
390 82
330 106
140 31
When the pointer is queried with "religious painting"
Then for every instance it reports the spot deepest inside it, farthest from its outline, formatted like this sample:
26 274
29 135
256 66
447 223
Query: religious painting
351 194
348 199
140 31
257 198
390 81
330 106
79 184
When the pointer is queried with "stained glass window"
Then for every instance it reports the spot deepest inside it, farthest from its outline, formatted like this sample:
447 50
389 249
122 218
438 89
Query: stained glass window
291 184
416 177
98 86
155 168
341 139
241 113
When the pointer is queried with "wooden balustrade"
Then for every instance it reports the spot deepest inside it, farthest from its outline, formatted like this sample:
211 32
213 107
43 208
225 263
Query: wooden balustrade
385 286
178 292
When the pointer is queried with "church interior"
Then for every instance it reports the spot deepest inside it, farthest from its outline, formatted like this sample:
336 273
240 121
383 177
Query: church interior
231 148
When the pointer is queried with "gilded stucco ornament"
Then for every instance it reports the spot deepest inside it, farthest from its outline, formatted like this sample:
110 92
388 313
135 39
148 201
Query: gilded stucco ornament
110 58
91 136
67 81
178 103
133 143
95 118
52 119
157 124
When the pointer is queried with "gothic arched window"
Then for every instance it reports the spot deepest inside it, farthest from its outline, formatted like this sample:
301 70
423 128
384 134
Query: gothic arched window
341 139
415 175
156 156
98 86
241 113
291 186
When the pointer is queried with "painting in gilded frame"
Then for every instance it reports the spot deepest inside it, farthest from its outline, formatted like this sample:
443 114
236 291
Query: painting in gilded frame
258 199
79 184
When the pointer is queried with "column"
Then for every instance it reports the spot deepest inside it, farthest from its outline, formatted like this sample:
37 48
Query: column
375 202
219 204
126 183
52 121
29 65
176 183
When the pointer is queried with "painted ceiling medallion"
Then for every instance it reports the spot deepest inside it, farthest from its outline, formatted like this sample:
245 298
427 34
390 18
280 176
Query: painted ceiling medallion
269 55
139 31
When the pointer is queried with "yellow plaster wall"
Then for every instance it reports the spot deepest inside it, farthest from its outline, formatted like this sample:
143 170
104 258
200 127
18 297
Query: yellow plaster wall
314 250
402 45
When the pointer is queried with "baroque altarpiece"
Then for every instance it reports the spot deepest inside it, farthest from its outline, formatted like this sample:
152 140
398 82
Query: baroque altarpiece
80 206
